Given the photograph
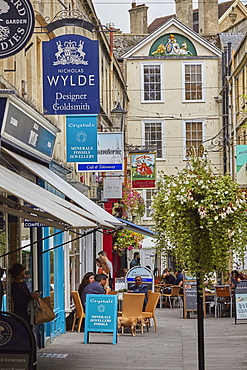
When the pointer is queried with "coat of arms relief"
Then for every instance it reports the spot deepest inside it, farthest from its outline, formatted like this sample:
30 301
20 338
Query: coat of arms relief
70 53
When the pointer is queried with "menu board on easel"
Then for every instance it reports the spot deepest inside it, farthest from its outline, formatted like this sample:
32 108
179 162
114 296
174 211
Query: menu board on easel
241 301
190 294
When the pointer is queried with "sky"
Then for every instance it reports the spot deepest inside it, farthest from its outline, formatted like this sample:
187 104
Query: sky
116 11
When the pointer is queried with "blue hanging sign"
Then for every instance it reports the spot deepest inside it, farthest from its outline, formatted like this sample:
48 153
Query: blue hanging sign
101 315
81 138
71 75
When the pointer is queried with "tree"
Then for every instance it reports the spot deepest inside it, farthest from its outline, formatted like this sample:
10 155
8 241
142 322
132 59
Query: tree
201 218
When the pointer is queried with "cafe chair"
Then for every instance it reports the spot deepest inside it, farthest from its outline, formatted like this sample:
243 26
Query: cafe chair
158 289
174 295
150 309
222 298
79 312
132 306
113 292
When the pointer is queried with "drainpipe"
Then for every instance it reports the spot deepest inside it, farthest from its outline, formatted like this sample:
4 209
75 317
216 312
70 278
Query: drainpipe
111 63
234 172
229 46
225 136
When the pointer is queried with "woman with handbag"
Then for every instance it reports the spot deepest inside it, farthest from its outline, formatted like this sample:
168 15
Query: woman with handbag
20 292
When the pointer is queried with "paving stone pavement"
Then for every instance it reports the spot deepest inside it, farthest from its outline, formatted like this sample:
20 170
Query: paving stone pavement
173 347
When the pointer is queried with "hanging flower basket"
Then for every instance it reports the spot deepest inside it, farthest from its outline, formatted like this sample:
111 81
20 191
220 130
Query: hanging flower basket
133 202
127 240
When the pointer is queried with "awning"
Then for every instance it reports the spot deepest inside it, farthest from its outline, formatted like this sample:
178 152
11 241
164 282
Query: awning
136 228
95 212
47 207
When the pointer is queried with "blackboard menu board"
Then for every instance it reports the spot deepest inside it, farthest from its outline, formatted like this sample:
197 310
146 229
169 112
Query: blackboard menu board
241 300
190 295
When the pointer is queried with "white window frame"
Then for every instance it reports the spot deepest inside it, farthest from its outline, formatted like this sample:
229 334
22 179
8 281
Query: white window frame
143 64
183 82
203 121
162 122
144 194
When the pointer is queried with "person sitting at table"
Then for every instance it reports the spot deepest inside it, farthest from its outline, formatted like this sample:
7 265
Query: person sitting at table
96 287
122 272
139 287
168 278
88 278
179 278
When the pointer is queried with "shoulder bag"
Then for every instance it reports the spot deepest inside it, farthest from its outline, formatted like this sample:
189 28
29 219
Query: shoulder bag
44 311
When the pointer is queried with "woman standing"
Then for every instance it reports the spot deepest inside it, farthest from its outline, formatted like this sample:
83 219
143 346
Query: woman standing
20 292
106 271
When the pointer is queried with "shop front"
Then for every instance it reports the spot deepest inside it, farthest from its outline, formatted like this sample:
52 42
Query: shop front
44 216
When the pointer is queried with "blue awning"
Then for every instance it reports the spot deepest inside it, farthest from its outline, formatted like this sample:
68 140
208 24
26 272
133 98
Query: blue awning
136 228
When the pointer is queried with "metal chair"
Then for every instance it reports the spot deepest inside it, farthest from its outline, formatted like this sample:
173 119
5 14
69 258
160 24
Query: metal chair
79 313
174 295
223 297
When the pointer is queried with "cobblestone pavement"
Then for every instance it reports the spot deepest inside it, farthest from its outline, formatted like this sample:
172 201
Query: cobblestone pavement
173 347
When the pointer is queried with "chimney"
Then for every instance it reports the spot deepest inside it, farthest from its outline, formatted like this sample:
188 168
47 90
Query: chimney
138 19
208 17
184 12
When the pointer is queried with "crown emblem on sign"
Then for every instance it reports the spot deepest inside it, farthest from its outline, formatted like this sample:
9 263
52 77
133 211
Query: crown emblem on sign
70 53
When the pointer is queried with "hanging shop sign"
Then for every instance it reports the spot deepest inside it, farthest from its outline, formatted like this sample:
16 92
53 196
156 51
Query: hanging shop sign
81 138
16 26
24 128
241 154
71 75
110 154
143 170
112 188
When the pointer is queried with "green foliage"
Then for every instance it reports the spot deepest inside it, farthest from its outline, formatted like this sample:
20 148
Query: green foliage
201 217
127 240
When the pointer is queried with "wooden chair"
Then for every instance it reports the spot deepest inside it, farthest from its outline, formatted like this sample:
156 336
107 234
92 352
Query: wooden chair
113 292
150 309
223 297
132 306
79 312
175 289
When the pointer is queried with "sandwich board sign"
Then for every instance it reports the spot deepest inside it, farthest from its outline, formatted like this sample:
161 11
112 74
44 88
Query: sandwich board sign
241 301
101 315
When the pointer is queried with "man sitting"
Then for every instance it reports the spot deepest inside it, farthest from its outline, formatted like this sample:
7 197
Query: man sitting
96 287
139 287
168 278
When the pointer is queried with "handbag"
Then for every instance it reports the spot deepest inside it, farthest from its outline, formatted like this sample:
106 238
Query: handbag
44 311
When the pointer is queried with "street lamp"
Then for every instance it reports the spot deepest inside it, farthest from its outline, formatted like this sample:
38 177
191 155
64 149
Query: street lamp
118 114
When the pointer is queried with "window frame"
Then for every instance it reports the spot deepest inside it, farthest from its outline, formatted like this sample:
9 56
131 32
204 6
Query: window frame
144 195
162 122
203 122
143 64
202 64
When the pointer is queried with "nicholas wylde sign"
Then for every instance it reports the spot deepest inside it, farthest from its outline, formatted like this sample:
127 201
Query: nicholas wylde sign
16 26
71 75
